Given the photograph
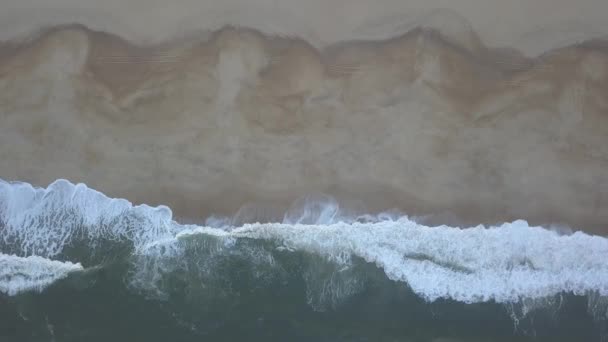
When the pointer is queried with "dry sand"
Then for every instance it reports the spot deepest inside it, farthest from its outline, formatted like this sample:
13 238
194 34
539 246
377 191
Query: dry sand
533 26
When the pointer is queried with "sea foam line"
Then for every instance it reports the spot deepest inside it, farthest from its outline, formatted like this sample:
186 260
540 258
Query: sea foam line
504 264
33 273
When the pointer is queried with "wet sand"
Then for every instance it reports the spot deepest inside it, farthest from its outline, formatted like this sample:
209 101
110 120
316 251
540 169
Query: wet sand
432 121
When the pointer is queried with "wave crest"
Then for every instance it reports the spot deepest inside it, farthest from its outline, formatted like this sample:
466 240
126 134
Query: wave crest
505 264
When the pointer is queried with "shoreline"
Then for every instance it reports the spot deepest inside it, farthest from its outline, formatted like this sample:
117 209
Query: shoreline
414 122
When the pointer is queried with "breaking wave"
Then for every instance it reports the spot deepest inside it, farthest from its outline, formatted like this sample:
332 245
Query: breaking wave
505 263
70 236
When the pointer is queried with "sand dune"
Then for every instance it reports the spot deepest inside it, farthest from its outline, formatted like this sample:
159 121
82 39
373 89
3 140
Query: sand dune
431 122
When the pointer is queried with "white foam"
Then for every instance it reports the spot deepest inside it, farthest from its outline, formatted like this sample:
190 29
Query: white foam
506 263
44 221
33 273
503 264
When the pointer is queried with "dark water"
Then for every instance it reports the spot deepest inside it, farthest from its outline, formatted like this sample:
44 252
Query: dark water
293 296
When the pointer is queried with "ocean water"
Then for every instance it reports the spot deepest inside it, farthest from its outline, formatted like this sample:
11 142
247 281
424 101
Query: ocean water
76 265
